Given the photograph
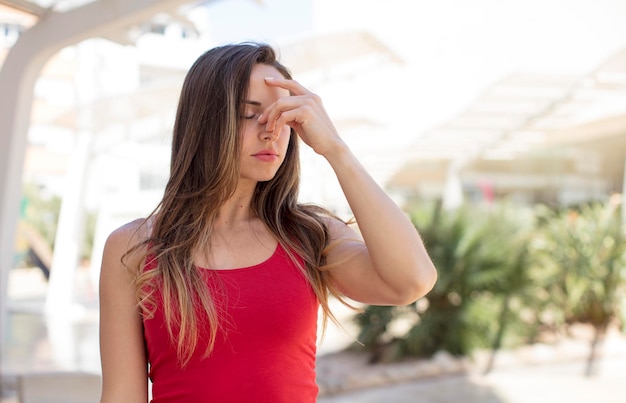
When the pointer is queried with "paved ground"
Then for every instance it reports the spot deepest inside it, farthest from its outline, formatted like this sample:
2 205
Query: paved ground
545 383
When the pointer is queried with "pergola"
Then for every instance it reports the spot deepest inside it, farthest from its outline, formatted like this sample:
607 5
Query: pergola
58 24
530 132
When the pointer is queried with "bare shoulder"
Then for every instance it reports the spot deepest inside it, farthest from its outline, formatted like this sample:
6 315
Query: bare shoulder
124 238
339 229
134 231
346 245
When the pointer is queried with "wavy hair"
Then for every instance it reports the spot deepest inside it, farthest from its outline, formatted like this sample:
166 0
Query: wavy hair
204 172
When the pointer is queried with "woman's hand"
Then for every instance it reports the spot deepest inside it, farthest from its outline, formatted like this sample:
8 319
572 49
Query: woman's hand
302 111
392 267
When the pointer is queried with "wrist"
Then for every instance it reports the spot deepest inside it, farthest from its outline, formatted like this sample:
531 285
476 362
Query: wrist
336 152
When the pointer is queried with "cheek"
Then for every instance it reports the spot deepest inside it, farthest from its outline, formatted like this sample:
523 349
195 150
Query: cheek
285 136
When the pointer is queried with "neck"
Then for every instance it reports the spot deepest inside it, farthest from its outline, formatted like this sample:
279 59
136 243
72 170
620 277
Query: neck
237 209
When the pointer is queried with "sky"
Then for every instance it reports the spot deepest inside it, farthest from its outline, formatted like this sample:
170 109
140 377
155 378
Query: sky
263 20
453 49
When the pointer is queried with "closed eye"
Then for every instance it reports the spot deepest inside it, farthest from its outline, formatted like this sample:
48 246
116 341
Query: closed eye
251 106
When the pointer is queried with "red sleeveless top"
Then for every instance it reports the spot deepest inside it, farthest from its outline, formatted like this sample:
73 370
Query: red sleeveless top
266 351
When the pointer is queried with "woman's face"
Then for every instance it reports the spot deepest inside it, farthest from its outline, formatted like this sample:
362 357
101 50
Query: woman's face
262 152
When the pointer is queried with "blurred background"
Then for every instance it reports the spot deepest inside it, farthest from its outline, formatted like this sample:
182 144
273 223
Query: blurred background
499 125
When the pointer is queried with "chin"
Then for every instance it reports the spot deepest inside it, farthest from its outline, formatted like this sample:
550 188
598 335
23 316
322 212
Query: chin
266 179
261 178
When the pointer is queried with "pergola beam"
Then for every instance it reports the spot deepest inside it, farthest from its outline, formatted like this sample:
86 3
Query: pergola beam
25 6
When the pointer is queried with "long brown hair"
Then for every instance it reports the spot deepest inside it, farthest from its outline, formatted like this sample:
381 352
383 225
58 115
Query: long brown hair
203 174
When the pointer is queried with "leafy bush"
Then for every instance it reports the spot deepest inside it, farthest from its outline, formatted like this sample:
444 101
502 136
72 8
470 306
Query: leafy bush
506 276
479 253
585 249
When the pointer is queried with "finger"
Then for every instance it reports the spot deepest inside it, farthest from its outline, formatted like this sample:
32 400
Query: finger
273 111
287 118
294 87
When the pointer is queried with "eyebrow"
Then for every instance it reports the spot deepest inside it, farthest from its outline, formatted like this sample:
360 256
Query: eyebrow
255 103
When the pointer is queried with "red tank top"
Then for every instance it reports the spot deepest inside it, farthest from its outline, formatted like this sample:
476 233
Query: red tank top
267 351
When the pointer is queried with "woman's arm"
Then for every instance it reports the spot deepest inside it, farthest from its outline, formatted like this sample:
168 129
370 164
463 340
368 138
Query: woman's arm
392 266
122 347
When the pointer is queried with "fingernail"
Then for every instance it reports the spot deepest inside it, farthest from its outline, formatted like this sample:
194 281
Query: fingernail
269 78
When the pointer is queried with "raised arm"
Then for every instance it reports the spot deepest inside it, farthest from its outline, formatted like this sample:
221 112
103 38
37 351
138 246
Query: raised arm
391 266
122 347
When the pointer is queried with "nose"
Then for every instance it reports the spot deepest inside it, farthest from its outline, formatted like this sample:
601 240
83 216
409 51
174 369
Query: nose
269 135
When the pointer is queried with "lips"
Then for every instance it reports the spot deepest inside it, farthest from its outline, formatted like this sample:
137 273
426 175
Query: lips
266 155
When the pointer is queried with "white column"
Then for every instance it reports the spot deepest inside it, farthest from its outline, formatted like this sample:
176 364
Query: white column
453 188
71 224
70 230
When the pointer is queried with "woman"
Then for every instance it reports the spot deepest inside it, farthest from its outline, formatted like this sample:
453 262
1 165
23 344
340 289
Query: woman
215 295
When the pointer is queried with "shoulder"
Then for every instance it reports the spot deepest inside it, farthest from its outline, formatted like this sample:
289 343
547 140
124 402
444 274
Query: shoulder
324 216
136 230
345 245
126 242
339 229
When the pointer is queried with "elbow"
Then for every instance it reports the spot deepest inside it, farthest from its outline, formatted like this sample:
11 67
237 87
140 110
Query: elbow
421 284
428 282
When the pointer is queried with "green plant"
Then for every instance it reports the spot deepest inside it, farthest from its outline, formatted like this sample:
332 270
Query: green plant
480 256
41 212
586 250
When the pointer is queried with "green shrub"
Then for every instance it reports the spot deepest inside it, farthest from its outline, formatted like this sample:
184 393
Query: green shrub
479 253
585 249
507 275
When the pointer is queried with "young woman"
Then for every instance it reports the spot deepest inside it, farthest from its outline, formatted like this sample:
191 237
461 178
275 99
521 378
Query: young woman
215 295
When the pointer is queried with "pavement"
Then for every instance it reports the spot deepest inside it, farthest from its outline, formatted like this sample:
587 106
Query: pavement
561 382
553 372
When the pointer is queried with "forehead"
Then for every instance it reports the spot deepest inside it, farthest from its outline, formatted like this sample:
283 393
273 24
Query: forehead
258 87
